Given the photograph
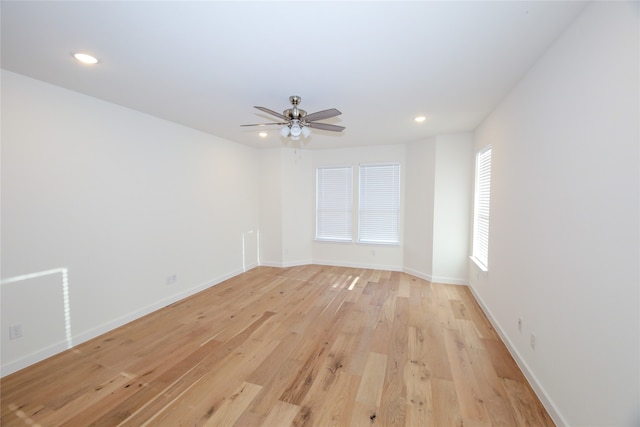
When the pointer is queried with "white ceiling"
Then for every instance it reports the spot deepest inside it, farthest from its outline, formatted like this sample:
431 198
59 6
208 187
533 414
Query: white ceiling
206 64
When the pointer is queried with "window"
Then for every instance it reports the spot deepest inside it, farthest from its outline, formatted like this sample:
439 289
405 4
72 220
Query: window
334 203
480 251
379 209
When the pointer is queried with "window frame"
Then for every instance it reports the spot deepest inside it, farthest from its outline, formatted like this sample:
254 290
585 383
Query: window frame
347 237
393 207
482 208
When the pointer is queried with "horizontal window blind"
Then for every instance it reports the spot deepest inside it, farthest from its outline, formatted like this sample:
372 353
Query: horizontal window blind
334 203
379 204
481 208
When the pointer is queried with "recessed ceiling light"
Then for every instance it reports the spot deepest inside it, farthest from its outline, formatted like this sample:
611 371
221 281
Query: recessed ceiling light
263 134
420 119
85 58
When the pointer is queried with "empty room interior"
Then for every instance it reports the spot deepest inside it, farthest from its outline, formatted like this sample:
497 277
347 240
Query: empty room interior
320 213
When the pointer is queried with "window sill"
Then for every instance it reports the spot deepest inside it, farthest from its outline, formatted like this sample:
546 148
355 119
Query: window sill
365 243
333 241
354 242
480 265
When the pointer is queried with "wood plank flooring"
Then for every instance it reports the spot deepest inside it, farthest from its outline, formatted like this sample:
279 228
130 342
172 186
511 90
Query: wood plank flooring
303 346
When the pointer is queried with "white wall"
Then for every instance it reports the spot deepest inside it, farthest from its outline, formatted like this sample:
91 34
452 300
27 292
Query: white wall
419 207
119 199
564 237
287 203
270 184
438 207
298 206
452 207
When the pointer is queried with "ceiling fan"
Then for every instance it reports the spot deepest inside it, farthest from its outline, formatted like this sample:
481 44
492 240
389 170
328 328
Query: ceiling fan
297 122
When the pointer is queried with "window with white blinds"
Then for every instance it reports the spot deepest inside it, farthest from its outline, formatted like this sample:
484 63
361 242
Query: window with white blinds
334 203
480 251
379 204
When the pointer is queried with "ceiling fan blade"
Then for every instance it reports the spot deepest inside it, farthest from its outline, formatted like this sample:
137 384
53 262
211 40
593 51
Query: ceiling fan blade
321 115
268 111
266 124
325 126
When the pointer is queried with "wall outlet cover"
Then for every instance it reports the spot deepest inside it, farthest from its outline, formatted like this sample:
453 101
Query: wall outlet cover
15 331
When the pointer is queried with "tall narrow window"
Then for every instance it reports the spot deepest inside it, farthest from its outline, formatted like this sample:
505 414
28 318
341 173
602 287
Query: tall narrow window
334 203
379 209
480 251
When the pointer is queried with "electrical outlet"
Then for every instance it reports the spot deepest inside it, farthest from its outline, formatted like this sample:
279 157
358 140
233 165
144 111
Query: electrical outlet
519 325
15 331
171 279
533 341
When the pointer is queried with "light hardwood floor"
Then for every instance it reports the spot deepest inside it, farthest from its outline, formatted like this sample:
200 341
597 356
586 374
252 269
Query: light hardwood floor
303 346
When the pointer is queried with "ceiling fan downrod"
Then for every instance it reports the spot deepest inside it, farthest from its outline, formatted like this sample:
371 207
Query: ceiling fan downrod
294 113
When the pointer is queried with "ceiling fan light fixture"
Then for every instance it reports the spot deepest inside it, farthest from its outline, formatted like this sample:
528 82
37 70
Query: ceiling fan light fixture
284 131
306 131
295 129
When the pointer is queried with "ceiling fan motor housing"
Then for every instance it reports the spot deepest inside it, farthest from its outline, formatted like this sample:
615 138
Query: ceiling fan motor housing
294 113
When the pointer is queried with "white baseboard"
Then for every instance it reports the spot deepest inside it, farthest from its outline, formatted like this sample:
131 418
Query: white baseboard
450 281
282 264
298 263
250 267
551 408
357 265
30 359
329 263
271 264
436 279
427 277
84 336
